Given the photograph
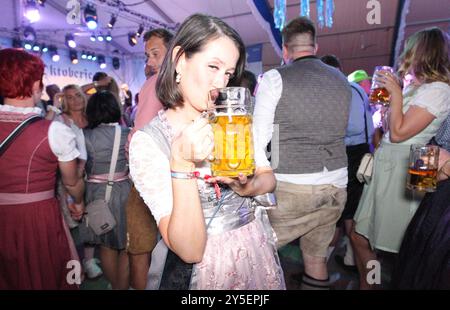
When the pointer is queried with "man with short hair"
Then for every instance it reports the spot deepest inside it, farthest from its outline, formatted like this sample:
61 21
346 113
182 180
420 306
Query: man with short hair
142 229
156 45
309 102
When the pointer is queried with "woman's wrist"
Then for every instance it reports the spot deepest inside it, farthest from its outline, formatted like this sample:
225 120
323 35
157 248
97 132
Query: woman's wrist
396 99
445 169
184 175
54 109
180 165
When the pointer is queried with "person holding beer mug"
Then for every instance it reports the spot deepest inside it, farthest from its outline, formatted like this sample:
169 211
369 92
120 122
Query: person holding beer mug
423 260
416 113
209 229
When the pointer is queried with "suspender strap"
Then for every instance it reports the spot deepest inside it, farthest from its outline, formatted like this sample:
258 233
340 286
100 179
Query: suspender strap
365 110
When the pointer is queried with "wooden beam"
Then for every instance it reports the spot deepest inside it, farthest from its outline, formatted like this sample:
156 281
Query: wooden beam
395 37
430 21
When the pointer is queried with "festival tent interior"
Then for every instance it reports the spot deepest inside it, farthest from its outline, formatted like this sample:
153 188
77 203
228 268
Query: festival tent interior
108 33
77 38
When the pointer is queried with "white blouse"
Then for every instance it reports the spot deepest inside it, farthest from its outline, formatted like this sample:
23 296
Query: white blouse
150 172
149 169
61 139
433 97
79 136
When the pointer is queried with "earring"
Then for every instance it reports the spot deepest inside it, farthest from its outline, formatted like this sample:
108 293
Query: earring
178 78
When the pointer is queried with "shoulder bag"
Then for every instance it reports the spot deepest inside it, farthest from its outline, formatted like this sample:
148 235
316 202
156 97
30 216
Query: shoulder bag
99 217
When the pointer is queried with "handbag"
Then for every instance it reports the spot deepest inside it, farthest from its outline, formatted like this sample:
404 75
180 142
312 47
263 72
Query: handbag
365 169
99 217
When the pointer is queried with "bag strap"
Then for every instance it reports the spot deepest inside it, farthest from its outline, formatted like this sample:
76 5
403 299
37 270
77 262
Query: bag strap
16 132
365 110
112 167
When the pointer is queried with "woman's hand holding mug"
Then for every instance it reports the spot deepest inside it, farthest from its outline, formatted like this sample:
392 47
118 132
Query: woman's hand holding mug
194 144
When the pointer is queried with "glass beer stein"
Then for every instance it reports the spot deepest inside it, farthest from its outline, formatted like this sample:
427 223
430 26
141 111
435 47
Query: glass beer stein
423 167
231 120
378 94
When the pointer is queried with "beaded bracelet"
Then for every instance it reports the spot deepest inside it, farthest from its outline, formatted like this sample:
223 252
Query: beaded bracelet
184 175
195 175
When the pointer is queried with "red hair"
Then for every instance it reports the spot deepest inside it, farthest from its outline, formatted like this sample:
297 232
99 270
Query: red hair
19 70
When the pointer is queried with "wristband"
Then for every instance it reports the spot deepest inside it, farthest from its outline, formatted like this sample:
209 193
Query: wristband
184 175
54 109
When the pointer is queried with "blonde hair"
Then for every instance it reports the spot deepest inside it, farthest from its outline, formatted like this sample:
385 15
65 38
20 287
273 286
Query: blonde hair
65 107
426 56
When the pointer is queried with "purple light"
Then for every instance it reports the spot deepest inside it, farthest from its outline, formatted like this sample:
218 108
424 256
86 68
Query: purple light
32 12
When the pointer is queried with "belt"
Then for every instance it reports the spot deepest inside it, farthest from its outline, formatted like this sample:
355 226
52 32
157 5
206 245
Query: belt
103 178
22 198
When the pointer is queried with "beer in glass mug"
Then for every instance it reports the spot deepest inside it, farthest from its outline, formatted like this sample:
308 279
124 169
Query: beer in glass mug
378 94
231 120
423 167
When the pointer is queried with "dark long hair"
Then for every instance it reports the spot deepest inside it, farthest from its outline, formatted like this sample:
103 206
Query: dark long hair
195 32
102 108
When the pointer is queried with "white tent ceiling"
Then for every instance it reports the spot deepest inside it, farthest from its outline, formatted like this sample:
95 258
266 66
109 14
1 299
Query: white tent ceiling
358 44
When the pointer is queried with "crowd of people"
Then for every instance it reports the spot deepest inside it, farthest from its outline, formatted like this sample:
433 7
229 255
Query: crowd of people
175 227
